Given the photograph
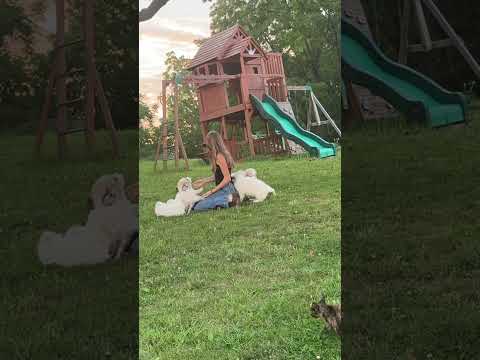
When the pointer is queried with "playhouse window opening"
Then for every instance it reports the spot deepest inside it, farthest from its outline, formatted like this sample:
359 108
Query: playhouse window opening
232 68
202 71
233 93
255 70
212 69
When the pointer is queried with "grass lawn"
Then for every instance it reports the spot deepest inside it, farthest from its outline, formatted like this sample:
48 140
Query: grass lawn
238 283
410 249
55 313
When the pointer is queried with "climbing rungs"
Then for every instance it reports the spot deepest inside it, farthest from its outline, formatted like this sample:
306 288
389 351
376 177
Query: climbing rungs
70 43
71 102
320 123
73 131
435 45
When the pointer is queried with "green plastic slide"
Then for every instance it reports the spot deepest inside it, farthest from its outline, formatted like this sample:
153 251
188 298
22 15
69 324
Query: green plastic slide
288 127
412 93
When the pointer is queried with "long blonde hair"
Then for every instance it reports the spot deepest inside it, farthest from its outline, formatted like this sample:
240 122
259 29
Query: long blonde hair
217 146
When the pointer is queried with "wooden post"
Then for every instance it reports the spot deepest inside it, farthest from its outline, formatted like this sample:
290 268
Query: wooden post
246 101
159 139
165 125
224 129
404 31
61 89
422 24
177 128
354 109
204 128
46 106
248 126
309 113
89 31
102 100
184 153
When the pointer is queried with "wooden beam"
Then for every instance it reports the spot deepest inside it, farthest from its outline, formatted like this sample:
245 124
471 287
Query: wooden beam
221 112
354 112
89 30
184 153
224 129
458 42
60 87
299 88
315 110
326 114
165 124
404 31
159 140
435 45
177 127
309 114
102 100
422 25
46 106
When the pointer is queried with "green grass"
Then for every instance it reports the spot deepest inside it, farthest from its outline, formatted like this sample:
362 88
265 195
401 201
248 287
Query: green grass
238 283
410 249
54 313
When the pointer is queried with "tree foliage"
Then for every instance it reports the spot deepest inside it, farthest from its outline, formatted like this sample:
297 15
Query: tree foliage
15 88
148 131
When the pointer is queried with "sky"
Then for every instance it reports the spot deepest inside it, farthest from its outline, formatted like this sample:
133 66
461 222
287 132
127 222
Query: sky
174 28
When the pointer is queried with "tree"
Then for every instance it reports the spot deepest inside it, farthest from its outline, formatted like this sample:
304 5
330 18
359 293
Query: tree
150 11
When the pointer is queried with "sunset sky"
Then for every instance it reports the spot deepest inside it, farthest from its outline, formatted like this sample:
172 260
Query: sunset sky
174 28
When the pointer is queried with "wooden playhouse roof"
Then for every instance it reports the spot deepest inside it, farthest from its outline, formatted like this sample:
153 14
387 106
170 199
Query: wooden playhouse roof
221 46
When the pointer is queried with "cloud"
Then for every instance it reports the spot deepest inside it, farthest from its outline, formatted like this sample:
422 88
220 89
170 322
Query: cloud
167 34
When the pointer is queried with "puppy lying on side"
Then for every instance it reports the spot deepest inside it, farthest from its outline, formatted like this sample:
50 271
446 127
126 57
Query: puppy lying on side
248 186
111 225
186 197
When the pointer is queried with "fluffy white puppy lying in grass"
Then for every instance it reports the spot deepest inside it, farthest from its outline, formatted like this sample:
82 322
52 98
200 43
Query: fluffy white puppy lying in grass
109 230
186 197
248 186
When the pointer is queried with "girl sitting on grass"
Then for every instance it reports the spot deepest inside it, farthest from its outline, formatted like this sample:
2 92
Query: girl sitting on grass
223 195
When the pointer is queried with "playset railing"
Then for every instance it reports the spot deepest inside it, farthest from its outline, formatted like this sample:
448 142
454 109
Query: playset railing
275 77
271 144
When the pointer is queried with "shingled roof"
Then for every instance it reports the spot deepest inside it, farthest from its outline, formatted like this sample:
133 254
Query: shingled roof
215 47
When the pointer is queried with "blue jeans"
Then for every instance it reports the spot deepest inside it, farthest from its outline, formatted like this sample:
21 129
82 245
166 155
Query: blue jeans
216 200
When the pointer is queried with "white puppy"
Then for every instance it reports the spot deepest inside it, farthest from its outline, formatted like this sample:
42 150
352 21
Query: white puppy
110 226
249 186
186 197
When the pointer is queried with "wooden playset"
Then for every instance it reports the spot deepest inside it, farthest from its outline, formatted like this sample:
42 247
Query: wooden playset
228 69
57 86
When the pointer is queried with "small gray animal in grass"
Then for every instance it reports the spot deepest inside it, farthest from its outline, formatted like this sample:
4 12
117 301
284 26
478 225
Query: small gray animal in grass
332 314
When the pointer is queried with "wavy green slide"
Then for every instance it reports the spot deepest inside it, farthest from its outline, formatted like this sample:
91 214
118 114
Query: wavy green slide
412 93
285 124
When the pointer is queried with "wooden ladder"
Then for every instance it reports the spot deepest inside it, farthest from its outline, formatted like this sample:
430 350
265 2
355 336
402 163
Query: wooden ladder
57 89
